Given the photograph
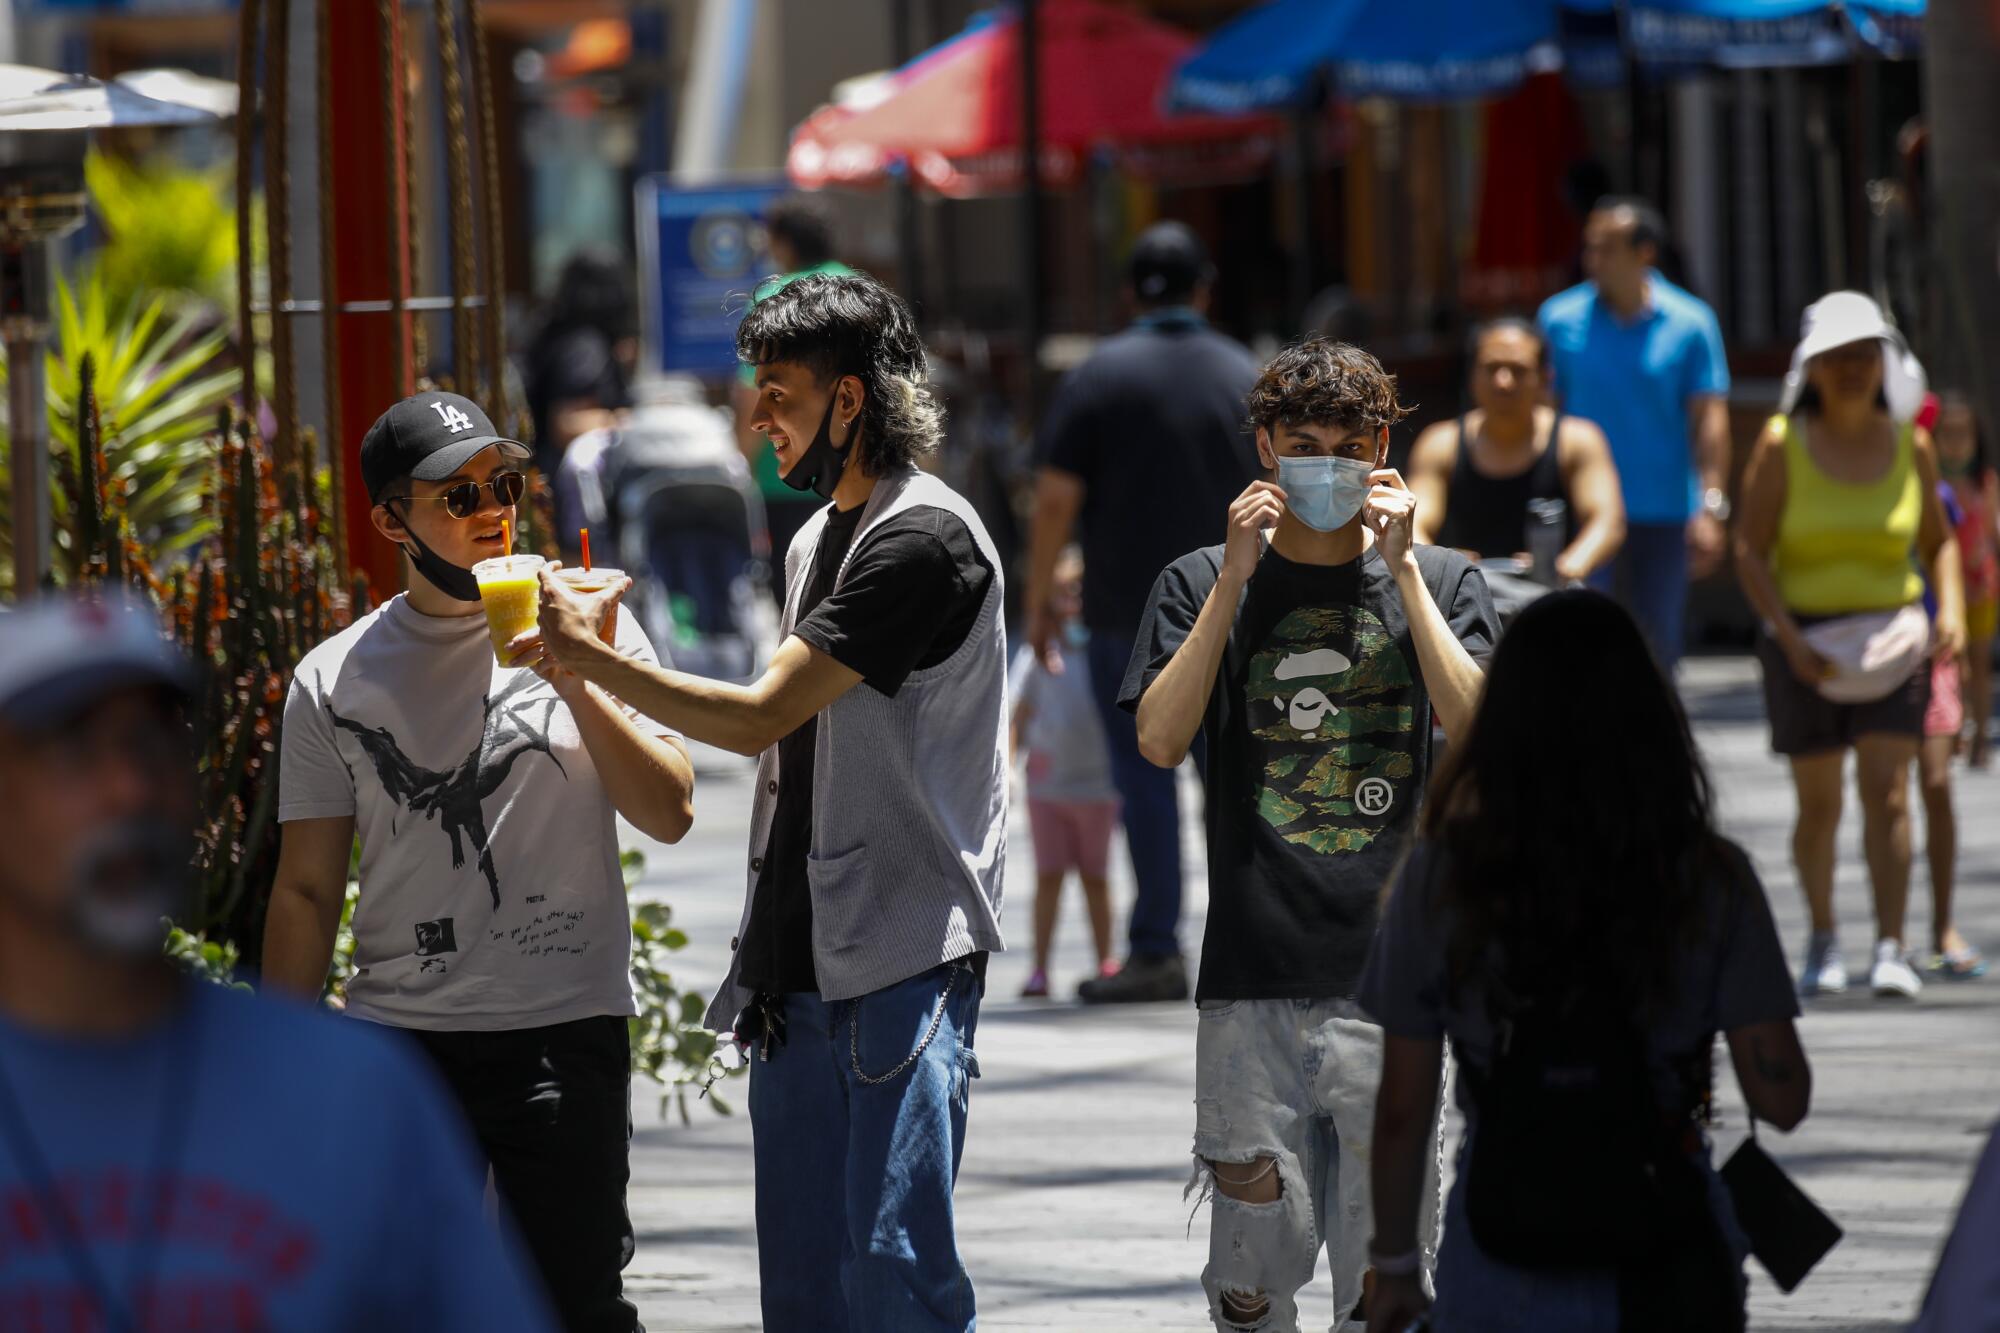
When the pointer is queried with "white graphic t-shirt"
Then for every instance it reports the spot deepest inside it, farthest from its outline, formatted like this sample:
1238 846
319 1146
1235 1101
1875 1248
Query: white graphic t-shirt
491 896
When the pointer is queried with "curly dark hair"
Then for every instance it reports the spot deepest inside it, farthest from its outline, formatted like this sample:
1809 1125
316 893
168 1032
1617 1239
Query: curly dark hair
1319 382
838 324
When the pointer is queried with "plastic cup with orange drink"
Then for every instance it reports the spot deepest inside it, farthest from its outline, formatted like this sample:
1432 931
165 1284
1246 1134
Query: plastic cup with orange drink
510 590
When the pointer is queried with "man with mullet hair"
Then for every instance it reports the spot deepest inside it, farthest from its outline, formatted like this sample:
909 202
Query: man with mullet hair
1310 649
878 827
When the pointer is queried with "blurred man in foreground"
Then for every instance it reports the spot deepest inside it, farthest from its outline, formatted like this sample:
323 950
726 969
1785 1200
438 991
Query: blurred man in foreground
174 1154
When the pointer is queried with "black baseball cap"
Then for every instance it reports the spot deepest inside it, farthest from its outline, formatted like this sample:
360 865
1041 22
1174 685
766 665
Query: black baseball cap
1168 262
428 436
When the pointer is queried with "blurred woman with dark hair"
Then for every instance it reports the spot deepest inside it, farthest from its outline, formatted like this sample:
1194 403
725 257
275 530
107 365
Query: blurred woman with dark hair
1574 923
580 367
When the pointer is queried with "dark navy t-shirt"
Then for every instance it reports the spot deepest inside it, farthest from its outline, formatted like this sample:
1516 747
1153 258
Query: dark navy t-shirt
1155 425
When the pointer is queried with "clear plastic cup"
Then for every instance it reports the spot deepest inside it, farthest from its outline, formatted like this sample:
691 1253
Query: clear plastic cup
510 590
594 580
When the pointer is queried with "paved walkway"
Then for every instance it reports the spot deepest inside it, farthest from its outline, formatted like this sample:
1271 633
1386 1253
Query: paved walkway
1071 1197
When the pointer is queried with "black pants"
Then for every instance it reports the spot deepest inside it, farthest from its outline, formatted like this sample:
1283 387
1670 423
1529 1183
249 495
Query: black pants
552 1110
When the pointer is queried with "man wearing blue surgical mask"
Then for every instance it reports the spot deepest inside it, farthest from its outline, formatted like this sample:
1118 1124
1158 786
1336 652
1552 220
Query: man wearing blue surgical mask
1311 650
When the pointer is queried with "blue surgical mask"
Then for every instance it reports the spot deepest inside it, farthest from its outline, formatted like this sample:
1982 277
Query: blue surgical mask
1324 493
1075 635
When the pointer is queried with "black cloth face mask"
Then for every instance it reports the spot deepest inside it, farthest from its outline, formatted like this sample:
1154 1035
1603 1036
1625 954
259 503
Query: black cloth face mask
454 581
820 467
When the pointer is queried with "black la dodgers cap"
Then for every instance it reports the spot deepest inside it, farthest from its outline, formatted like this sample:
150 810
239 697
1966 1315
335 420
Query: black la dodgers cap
428 436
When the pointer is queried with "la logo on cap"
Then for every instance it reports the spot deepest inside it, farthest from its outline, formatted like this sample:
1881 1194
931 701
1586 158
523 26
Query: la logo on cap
451 416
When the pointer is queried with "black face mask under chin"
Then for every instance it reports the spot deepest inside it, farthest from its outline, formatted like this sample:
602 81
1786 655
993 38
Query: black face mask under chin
820 467
454 581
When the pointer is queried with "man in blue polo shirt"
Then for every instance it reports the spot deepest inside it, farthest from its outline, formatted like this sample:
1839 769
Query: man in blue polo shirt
1644 360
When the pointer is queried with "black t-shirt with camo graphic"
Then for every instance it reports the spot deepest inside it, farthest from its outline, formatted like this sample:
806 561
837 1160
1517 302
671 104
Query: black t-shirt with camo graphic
1319 748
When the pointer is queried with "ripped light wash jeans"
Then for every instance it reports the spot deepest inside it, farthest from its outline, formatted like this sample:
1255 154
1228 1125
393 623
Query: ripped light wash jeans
1294 1081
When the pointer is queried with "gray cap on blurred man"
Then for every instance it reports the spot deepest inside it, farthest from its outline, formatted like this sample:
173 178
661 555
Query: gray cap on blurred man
96 809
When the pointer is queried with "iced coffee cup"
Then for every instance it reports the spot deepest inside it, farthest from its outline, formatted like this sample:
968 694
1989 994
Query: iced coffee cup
511 592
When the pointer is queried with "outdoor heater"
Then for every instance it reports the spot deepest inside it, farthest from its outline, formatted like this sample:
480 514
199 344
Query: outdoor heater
45 118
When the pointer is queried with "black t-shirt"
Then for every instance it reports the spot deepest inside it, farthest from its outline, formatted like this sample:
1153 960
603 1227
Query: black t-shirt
911 595
1490 514
1154 424
1319 748
575 365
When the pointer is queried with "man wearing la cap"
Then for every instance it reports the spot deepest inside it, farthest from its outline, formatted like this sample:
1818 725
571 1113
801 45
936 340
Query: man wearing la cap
492 921
151 1126
1144 448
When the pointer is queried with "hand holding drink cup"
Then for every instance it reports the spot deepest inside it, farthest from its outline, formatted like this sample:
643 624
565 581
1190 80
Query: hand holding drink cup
577 609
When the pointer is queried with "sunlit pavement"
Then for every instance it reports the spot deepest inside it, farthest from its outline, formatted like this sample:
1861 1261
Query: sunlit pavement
1070 1204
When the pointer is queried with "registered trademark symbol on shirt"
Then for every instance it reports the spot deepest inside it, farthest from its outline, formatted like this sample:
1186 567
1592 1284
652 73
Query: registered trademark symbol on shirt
1374 796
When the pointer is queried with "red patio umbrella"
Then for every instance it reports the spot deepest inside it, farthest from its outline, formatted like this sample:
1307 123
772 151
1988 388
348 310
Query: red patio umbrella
954 113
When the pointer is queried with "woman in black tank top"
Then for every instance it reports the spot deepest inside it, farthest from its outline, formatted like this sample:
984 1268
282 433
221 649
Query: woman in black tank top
1459 505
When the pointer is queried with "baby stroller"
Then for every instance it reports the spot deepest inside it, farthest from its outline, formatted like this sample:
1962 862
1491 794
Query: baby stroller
688 526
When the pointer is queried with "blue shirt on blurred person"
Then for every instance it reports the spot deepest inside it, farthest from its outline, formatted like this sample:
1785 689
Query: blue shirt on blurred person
245 1164
1637 381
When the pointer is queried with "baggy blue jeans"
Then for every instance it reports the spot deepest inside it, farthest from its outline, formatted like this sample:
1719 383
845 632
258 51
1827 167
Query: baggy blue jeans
858 1122
1649 577
1151 811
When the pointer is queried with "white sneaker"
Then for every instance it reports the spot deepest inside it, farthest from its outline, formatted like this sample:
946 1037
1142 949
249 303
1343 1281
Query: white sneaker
1893 977
1825 970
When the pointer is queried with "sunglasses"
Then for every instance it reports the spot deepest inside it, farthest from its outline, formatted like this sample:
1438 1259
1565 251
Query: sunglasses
462 500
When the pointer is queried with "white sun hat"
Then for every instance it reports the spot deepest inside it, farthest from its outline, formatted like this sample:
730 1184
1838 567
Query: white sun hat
1842 318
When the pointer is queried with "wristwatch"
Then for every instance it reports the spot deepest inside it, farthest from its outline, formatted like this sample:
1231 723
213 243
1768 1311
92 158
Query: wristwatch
1715 504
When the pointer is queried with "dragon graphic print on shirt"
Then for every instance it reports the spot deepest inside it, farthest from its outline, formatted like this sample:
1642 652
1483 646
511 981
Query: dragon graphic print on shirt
1331 727
454 797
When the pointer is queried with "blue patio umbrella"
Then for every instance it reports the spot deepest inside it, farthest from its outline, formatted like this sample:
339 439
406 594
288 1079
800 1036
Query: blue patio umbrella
1756 34
1272 56
1422 49
1736 33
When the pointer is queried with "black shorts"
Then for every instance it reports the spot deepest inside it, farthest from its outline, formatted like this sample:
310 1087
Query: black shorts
1806 722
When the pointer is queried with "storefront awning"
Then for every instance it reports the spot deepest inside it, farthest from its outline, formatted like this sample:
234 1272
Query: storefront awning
1433 50
952 116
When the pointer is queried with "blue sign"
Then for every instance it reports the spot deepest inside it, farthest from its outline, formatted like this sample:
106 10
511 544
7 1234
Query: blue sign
701 254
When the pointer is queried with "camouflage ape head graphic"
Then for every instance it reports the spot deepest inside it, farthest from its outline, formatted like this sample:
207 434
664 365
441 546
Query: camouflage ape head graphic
1330 740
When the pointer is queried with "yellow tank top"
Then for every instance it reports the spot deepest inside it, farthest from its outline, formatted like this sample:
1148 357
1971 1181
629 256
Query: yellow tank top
1844 548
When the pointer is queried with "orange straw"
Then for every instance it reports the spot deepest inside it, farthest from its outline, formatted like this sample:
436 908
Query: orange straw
586 546
507 536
